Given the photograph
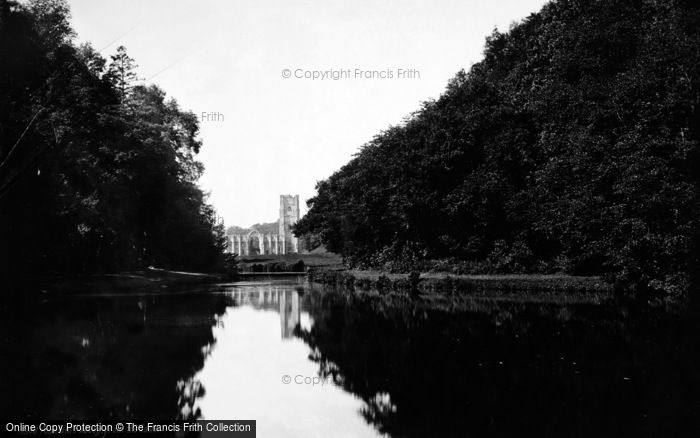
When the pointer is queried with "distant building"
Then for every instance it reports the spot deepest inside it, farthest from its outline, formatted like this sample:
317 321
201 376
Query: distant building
268 238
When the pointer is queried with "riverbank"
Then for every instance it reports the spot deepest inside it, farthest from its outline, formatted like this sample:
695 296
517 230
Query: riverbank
545 288
151 279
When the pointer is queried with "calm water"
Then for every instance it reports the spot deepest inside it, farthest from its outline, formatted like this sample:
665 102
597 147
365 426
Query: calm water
359 366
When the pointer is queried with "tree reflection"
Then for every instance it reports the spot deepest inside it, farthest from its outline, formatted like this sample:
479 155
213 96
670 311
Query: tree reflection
100 358
500 368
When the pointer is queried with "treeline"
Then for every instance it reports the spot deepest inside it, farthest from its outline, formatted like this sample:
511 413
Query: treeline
97 174
571 147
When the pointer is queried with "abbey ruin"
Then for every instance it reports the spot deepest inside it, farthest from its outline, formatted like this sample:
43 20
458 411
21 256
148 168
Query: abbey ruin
268 238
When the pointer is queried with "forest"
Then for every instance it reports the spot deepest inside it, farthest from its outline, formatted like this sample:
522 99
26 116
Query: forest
570 147
98 172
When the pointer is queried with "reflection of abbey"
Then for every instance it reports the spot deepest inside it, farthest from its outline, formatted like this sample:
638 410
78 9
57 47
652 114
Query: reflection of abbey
286 302
269 238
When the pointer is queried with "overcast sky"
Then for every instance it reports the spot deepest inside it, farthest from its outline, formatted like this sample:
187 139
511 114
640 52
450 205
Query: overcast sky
280 135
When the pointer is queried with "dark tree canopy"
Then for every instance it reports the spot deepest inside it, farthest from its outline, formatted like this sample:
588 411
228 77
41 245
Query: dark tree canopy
571 147
97 173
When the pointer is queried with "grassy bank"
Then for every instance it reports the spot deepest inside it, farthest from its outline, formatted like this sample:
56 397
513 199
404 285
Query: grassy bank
560 288
289 262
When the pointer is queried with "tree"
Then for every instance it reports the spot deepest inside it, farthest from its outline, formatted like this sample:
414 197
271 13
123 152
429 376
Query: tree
96 174
121 72
572 146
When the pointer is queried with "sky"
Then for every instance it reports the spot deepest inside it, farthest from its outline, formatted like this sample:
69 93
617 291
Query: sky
265 134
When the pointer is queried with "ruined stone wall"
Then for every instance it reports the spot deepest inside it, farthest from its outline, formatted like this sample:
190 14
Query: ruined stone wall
269 238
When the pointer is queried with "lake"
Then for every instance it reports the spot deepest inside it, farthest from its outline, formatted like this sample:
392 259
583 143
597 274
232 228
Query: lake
309 361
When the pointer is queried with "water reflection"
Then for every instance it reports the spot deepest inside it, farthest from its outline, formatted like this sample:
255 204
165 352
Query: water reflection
244 375
387 365
505 369
101 358
282 298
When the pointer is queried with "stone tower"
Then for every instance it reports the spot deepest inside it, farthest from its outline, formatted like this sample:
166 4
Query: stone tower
289 215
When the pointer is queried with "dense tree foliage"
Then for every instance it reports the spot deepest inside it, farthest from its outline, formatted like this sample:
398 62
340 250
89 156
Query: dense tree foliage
572 146
96 173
